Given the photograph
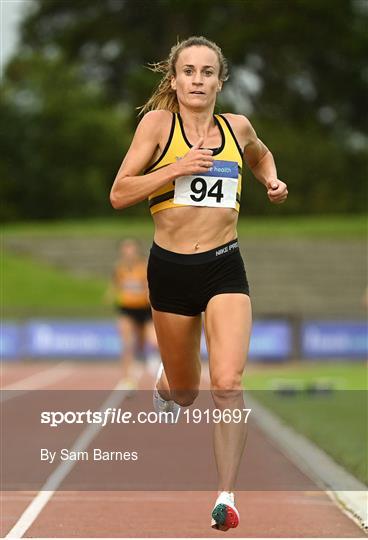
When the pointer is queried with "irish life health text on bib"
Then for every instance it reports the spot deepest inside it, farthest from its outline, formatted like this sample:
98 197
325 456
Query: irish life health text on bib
216 187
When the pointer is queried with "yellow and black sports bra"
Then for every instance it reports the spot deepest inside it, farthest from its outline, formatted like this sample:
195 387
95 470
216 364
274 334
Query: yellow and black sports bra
219 187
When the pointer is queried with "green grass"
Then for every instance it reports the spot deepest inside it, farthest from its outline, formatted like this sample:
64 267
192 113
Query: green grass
31 288
336 421
343 375
112 227
313 226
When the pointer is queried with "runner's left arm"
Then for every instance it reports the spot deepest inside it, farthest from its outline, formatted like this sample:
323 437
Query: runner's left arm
260 160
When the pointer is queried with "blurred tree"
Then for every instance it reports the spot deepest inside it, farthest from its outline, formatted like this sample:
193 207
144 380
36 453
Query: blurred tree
297 69
308 56
61 141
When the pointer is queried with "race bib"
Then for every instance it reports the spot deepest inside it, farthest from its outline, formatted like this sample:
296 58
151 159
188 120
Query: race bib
217 187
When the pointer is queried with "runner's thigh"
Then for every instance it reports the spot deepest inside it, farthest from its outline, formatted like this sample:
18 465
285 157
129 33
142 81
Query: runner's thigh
127 330
228 320
178 338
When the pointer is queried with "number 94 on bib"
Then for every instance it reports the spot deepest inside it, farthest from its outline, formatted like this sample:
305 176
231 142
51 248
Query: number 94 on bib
217 187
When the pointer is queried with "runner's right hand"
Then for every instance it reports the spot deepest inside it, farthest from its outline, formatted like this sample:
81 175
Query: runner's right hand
197 160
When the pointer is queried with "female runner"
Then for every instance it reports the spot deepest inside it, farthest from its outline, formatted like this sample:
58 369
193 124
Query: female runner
134 311
192 162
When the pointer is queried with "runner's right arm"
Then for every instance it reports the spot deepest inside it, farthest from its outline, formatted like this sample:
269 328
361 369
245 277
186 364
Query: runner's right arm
130 186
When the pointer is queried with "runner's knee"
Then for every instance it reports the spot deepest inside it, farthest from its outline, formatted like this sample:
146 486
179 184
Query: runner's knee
226 382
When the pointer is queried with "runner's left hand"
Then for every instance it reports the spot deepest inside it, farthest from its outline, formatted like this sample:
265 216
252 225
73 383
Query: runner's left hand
277 191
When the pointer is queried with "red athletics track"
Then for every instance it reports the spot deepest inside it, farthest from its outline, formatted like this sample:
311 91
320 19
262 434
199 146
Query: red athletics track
308 513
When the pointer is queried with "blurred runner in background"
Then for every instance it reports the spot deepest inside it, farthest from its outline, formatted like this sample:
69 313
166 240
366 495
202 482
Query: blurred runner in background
134 311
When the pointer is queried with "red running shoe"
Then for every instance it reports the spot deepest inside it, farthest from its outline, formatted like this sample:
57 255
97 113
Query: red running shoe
224 514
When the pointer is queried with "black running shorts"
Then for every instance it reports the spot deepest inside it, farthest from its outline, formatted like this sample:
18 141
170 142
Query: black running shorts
184 284
139 315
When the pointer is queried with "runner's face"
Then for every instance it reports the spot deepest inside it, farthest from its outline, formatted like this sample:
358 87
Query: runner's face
129 251
197 77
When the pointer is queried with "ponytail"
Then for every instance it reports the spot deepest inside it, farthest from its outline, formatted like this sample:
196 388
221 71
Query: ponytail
164 97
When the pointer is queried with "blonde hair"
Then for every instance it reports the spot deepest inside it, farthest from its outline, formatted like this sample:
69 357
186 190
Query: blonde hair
164 97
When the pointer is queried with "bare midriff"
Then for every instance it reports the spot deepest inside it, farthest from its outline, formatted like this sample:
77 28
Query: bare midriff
194 229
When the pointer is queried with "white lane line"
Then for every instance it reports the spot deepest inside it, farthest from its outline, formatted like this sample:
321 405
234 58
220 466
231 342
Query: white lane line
316 464
37 381
56 478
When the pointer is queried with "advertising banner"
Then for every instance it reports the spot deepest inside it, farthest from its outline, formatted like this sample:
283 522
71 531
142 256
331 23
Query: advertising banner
71 339
10 341
334 339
